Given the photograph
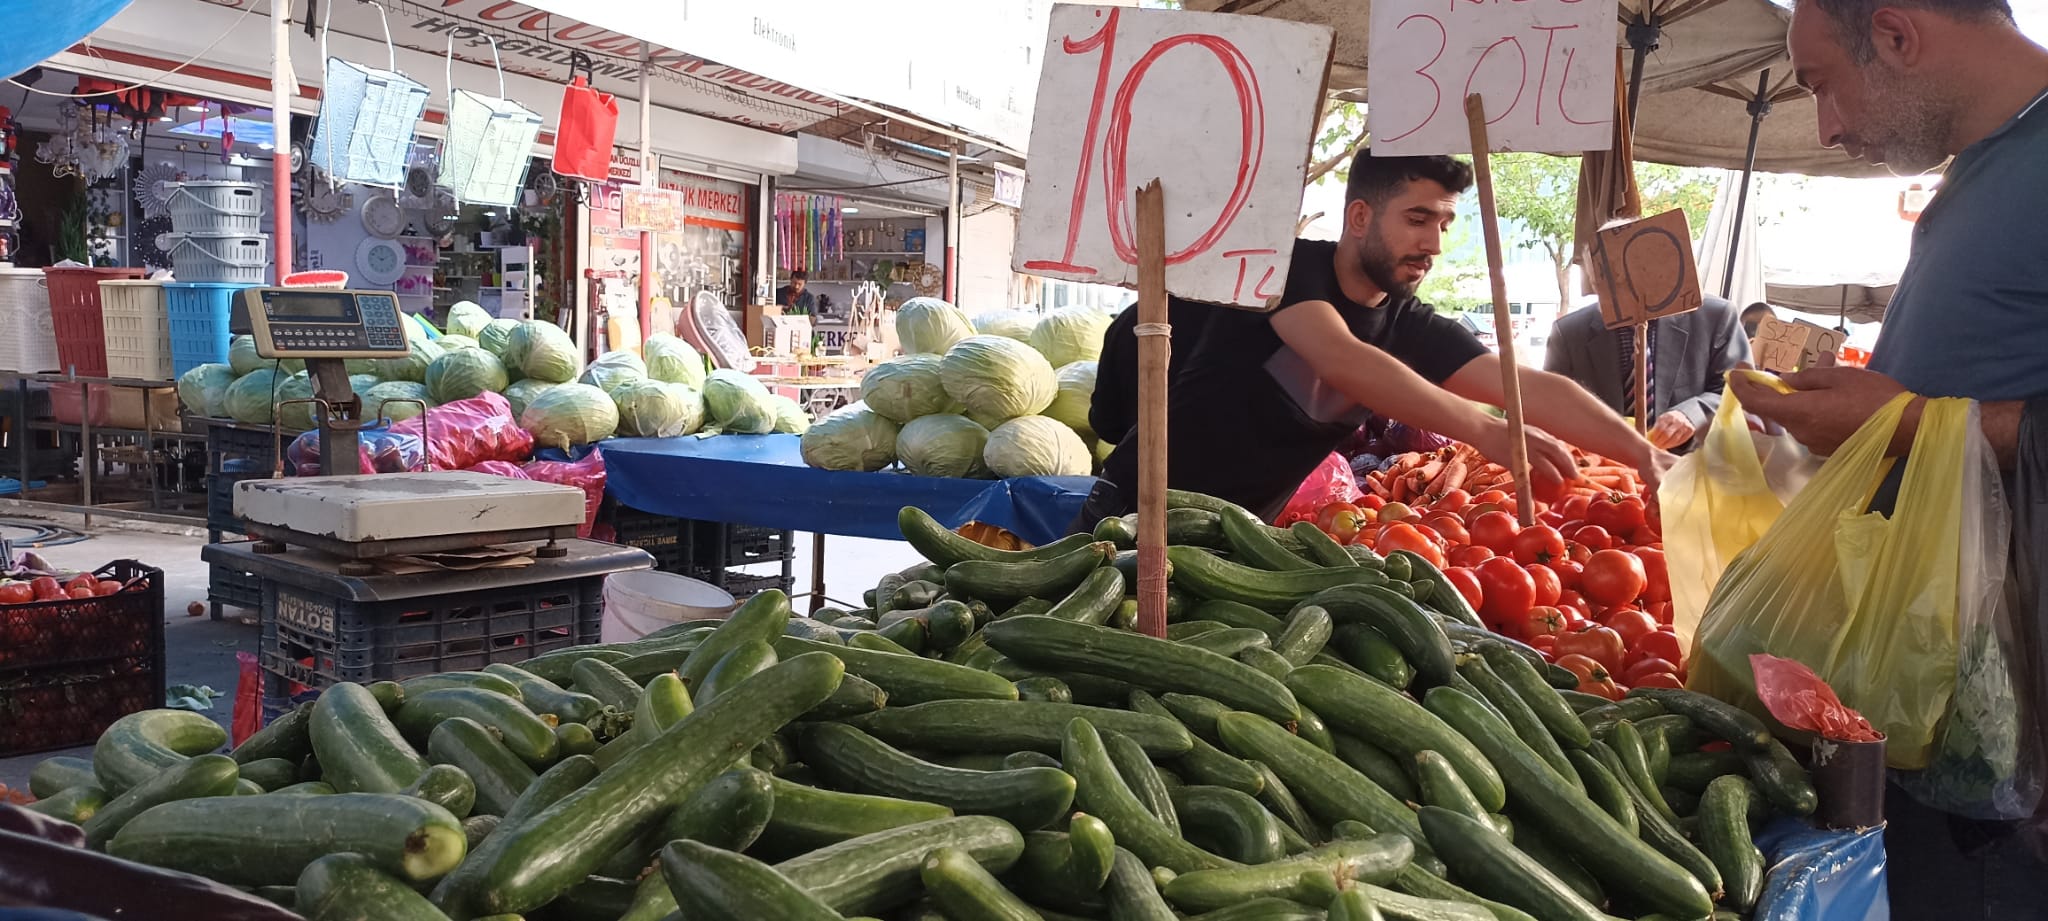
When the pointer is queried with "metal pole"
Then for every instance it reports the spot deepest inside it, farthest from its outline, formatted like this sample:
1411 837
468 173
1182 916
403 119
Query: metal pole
1642 36
284 84
953 223
1758 108
648 177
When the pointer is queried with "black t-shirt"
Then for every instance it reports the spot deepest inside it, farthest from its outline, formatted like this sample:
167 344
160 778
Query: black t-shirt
1113 409
1248 419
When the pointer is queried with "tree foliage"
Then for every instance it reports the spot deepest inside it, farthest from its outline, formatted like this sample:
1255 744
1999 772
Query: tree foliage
1537 196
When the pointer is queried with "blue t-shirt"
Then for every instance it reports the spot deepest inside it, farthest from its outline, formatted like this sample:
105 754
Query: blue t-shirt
1970 315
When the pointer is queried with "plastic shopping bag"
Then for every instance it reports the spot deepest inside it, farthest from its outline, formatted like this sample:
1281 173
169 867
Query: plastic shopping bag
1331 481
1719 500
1874 605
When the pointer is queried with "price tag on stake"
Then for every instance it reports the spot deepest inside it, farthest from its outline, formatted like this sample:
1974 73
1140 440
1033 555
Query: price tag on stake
1644 270
1781 346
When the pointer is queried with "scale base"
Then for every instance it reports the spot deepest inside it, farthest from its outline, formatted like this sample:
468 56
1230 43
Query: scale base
274 540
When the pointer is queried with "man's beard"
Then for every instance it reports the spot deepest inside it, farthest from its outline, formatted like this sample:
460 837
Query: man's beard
1377 260
1909 121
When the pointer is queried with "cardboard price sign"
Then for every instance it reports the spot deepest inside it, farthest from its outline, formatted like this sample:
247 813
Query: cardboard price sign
1644 270
1219 108
650 209
1781 346
1545 68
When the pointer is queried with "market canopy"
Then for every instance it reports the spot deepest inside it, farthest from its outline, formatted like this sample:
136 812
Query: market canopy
1861 301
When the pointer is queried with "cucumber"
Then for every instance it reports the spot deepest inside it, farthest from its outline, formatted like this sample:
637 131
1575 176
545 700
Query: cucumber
912 594
663 703
1266 661
1132 893
305 788
446 786
1783 782
715 884
1296 827
745 661
1304 633
1722 720
1312 728
1663 834
1250 542
1210 577
1485 861
1313 878
360 751
1442 596
1330 788
965 891
353 887
1404 623
1235 614
484 680
245 787
557 848
811 629
268 840
1002 727
1442 787
388 694
1228 823
1519 715
1121 533
1066 869
1204 763
140 745
76 805
1379 767
1675 732
1148 662
856 695
599 898
1007 582
1322 548
904 638
1229 642
881 871
805 818
1146 782
1188 629
289 736
556 666
1101 792
575 739
271 773
1581 702
1400 906
498 775
520 729
1422 885
1396 724
944 548
1027 607
478 827
1617 858
645 666
1541 849
546 697
910 679
729 812
1370 651
1608 790
610 686
1635 767
1094 600
55 775
1196 712
1045 687
1600 720
1089 690
1015 760
1264 910
1724 835
1694 772
759 619
566 777
849 759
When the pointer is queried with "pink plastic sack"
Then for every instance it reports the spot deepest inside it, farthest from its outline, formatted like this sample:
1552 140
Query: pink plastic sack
501 468
1331 481
465 433
586 474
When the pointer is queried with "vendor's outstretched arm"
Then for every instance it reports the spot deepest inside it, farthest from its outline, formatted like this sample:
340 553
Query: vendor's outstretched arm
1561 407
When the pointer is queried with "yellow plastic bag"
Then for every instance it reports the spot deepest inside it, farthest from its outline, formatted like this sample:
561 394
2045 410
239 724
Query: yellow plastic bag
1872 604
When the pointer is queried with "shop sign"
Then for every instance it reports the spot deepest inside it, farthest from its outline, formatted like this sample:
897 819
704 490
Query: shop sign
1009 189
709 202
1219 108
1544 67
1644 270
650 210
625 169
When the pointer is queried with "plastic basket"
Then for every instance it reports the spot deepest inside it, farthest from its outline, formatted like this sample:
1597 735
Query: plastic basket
75 317
216 206
137 335
220 258
366 118
198 313
30 343
490 141
45 634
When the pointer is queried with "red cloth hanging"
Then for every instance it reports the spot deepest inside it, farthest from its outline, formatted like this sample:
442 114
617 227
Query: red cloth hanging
589 124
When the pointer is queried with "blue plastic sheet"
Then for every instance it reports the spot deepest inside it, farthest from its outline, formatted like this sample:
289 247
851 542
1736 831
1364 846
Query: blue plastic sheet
762 480
1822 875
38 30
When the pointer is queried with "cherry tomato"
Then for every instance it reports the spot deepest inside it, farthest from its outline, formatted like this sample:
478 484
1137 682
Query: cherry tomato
1634 674
1539 544
1541 620
1547 585
1658 680
1452 530
1507 589
1471 555
1601 644
1633 625
47 589
1662 644
1568 573
1619 513
1574 508
1594 537
1571 600
1658 588
1495 531
1454 500
1614 577
1467 584
1407 537
1594 678
16 593
1340 520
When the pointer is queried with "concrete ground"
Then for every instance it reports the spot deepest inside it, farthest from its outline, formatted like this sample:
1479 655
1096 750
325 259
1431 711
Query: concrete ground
201 651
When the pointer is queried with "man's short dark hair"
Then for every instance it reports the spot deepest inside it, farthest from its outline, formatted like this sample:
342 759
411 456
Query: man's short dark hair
1850 19
798 275
1758 307
1376 179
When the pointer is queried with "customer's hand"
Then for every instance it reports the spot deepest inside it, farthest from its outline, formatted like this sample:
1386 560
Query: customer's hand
1828 405
1672 429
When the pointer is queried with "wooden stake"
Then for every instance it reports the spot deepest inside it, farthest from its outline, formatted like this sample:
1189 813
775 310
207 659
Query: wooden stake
1503 321
1643 408
1153 355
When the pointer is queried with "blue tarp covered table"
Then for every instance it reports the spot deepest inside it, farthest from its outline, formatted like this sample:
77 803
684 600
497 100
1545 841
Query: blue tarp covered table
762 480
1822 875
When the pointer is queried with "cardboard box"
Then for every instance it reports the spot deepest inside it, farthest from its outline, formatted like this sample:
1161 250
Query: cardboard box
790 335
115 407
752 318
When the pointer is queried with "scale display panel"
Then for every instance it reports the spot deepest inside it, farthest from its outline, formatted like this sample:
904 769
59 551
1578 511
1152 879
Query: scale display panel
325 323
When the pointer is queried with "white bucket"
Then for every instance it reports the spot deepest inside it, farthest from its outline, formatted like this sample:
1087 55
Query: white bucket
639 603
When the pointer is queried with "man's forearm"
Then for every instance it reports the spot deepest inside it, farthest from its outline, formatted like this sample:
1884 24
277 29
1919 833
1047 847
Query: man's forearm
1562 408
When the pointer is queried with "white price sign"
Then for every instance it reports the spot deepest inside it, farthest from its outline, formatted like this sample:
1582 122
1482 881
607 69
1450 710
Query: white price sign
1219 108
1544 67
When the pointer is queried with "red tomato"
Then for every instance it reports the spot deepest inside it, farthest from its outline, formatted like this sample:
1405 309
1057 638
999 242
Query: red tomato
1495 531
1454 500
1614 577
1476 510
1372 502
1493 497
47 589
1467 584
1634 674
1552 519
1633 625
1507 589
1619 513
1401 536
107 587
1340 520
16 593
1659 645
1472 555
1646 536
82 580
1568 573
1659 586
1574 508
1594 537
1450 527
1541 620
83 591
1547 645
1547 585
1427 532
1594 678
1539 544
1570 599
1660 610
1601 644
1395 511
1658 680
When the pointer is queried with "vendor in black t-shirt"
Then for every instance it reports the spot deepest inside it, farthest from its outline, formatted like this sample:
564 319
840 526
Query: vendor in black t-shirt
1257 400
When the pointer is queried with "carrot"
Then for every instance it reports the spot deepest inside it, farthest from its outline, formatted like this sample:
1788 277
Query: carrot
1453 477
1607 470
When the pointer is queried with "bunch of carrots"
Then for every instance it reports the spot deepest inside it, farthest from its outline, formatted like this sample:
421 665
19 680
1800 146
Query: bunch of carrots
1424 476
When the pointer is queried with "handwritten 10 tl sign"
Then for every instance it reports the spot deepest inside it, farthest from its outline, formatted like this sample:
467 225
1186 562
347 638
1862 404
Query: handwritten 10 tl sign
1544 67
1219 108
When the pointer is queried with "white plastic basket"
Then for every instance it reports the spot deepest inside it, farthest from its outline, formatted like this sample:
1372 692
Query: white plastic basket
136 329
219 258
490 140
216 206
366 117
29 343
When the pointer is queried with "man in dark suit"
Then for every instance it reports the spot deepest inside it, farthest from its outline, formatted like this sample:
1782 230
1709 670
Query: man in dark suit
1690 354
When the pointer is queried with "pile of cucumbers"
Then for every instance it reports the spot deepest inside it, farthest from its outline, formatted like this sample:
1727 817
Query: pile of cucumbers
1322 734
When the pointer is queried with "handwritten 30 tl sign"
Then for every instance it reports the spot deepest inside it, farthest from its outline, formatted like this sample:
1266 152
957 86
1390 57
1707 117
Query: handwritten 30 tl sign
1219 108
1544 67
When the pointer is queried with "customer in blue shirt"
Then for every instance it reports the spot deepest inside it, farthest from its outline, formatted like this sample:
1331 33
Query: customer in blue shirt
1911 83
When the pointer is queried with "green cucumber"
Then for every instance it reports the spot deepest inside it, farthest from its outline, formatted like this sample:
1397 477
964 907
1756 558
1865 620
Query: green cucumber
1420 884
1028 606
715 884
1536 694
1724 835
575 739
1485 861
1694 772
1608 790
1210 577
446 786
1266 661
1600 720
1403 622
522 730
882 871
1313 878
76 805
566 777
1400 906
1370 651
1198 713
1090 690
805 818
1146 781
1263 910
1189 629
1296 826
965 891
1663 834
1045 687
1355 904
1235 614
1635 764
1204 763
1132 893
729 812
904 638
1540 848
498 775
268 840
1304 633
1396 724
1148 662
1581 702
1230 641
1250 542
1015 760
1676 732
557 666
944 548
1001 727
484 680
289 736
1322 548
1121 533
305 788
663 703
360 751
1330 788
849 759
1379 767
546 697
140 745
1101 792
760 619
1527 725
1065 869
1443 596
1783 782
1718 718
354 887
1228 823
478 827
811 629
610 686
745 661
1311 727
389 695
856 695
1007 582
271 773
1094 600
1442 787
910 679
54 775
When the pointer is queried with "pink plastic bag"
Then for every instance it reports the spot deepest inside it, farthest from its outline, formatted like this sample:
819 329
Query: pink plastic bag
586 474
1331 481
465 433
501 468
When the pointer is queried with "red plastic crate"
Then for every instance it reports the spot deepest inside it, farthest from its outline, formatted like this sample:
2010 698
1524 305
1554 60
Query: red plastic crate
75 316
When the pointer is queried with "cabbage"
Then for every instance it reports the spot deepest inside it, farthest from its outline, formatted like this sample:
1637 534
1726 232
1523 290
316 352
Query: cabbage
467 319
852 438
612 369
997 379
1009 324
392 399
243 358
790 416
360 384
520 393
1036 446
248 398
905 388
464 373
737 403
943 445
693 407
544 352
671 359
496 336
357 366
296 417
570 415
649 409
1067 336
451 343
204 389
1076 391
413 367
929 325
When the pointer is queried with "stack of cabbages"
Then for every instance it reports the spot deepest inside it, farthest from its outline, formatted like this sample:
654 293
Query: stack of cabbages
662 392
973 398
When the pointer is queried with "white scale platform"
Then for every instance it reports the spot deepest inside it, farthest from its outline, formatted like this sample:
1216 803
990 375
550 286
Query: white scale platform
386 513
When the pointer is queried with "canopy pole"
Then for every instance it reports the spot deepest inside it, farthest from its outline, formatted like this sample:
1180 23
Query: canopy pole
1758 108
647 178
953 223
1642 36
284 84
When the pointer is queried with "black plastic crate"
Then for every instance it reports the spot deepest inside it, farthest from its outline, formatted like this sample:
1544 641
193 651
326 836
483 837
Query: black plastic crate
742 586
664 538
46 709
75 631
220 499
717 544
229 587
227 439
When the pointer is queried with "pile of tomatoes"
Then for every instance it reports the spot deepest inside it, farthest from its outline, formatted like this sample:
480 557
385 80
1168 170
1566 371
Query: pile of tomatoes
49 588
1585 584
